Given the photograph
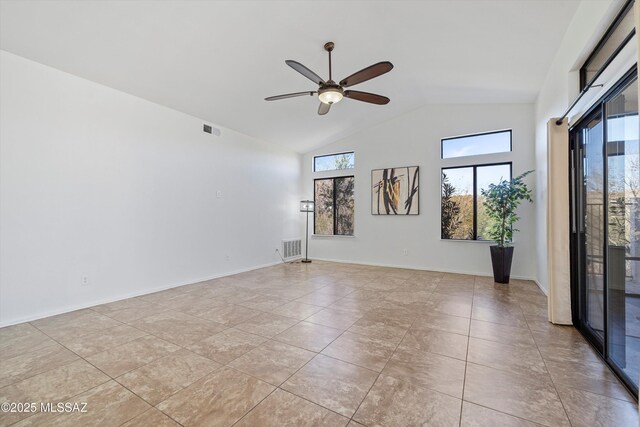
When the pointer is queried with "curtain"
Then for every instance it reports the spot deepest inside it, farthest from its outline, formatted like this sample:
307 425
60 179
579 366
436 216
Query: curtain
558 276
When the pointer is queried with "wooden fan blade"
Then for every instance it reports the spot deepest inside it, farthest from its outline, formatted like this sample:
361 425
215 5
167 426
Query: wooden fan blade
366 97
323 108
305 71
289 95
368 73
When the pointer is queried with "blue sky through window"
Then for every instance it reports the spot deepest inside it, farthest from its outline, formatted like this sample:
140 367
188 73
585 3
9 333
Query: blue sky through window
473 145
462 178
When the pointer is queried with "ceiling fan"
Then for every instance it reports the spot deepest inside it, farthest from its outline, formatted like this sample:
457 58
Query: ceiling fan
330 92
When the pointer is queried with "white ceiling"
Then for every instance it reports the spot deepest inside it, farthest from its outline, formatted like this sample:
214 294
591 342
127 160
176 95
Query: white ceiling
217 60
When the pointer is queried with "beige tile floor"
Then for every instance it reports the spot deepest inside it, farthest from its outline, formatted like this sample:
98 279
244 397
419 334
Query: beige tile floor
319 345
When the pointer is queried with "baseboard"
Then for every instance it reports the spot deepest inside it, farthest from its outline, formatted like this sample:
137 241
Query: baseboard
420 268
544 291
71 308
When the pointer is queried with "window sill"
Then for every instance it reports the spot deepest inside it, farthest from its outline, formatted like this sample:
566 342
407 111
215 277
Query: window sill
491 242
333 235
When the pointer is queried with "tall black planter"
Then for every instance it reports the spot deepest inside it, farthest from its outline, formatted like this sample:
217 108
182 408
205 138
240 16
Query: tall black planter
501 260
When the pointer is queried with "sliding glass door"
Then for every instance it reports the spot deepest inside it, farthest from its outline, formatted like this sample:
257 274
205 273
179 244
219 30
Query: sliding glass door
591 227
623 229
605 164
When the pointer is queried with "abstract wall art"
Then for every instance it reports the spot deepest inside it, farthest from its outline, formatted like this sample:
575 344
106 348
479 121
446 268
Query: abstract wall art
394 191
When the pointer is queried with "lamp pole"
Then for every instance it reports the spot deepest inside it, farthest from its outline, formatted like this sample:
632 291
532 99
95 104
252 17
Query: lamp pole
307 206
306 243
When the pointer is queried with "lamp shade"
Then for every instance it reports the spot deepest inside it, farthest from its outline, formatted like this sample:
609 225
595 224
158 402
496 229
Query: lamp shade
306 206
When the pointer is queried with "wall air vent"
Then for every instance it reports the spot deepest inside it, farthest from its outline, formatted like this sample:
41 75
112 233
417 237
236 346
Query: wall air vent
210 129
291 249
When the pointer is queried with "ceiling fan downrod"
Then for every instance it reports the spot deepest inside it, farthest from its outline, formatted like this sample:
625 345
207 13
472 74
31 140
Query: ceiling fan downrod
328 46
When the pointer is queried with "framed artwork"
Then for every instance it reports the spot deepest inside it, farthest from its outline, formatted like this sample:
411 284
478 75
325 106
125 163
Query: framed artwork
394 191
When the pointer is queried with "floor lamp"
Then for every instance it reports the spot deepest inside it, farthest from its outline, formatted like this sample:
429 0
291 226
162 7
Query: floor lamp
306 206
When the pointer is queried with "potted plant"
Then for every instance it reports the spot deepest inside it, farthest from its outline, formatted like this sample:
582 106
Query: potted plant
501 201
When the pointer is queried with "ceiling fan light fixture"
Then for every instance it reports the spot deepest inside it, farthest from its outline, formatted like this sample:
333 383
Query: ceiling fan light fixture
330 96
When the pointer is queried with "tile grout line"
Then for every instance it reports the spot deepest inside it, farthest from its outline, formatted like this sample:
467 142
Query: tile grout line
256 405
65 364
466 360
114 379
600 362
480 364
437 354
80 356
475 363
278 388
383 368
131 370
537 349
151 409
555 388
222 366
317 353
295 372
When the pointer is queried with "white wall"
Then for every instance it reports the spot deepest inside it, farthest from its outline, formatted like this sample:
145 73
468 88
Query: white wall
414 139
95 182
560 87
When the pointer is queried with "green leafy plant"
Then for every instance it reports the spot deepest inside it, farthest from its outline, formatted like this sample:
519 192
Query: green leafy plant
501 201
450 209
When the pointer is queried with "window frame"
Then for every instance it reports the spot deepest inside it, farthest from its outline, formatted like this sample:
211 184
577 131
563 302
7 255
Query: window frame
335 216
442 140
626 8
475 195
313 161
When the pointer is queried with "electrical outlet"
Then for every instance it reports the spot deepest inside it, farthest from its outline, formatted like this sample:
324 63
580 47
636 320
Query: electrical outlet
219 194
227 257
84 281
405 252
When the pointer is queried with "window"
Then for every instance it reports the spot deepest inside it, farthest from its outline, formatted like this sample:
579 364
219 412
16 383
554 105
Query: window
334 204
332 162
473 145
619 33
463 216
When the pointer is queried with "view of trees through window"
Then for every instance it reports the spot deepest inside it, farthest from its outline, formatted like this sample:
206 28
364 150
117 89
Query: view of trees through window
323 214
334 206
332 162
463 215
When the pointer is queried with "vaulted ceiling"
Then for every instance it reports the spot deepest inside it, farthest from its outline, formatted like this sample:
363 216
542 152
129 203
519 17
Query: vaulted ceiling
218 60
